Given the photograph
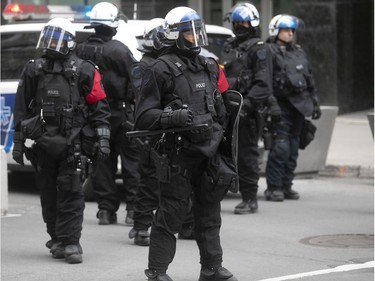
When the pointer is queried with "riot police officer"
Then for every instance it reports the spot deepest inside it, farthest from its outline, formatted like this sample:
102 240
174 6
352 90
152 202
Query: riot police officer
248 65
180 89
147 196
61 105
115 62
295 90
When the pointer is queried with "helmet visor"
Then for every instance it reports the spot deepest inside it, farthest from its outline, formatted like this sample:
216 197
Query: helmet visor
193 32
55 39
287 21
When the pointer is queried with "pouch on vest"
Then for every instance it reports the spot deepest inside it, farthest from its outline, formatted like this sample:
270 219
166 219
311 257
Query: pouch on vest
219 177
307 134
32 128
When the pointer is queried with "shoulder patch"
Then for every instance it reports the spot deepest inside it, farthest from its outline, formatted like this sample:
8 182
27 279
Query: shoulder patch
260 43
262 54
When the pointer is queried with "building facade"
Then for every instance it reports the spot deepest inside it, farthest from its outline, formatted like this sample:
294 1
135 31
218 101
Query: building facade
338 39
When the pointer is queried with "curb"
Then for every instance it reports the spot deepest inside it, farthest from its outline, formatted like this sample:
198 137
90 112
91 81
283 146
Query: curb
347 171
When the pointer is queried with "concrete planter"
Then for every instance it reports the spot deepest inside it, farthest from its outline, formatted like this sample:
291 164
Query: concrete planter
313 158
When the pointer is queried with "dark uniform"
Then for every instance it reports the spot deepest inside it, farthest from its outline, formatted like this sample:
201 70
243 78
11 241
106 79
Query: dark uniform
248 67
147 196
172 81
115 62
59 103
295 91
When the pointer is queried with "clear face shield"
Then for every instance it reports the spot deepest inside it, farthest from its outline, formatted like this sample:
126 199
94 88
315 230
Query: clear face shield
192 34
55 39
287 21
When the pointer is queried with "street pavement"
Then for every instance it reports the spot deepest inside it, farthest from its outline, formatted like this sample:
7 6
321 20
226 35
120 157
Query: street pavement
327 235
261 246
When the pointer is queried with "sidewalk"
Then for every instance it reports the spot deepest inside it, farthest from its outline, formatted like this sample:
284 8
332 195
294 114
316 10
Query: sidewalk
351 151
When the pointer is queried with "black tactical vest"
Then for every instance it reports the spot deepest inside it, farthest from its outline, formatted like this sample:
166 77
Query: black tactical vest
291 72
235 61
199 91
62 108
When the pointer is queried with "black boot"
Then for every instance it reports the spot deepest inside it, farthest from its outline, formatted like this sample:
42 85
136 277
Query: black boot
141 237
247 207
106 217
152 275
289 193
73 253
57 250
274 195
218 274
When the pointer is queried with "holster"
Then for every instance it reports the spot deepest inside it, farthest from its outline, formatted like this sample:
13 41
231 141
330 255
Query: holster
162 164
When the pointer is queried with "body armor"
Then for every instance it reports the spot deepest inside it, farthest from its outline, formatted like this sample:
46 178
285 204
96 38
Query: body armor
292 78
197 89
235 61
63 111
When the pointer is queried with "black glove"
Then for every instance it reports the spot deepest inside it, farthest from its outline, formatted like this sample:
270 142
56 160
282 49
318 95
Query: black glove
275 110
316 111
176 118
18 148
103 147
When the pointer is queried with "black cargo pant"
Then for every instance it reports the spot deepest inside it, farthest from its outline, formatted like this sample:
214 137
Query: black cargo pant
248 156
147 197
282 159
107 193
175 204
62 203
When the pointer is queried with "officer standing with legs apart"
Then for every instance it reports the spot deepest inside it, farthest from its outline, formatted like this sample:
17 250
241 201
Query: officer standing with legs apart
295 91
115 62
248 65
180 90
147 197
61 105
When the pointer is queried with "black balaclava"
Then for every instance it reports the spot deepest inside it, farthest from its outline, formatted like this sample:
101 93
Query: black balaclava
105 32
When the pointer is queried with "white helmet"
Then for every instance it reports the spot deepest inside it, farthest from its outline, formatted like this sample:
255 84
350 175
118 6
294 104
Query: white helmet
151 28
284 21
104 13
244 12
58 36
183 19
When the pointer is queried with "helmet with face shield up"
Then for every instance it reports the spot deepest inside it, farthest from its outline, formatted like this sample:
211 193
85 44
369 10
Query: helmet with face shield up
185 26
57 37
284 21
152 28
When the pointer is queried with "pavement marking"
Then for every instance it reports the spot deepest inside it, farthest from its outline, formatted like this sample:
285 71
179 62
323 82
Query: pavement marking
341 268
10 215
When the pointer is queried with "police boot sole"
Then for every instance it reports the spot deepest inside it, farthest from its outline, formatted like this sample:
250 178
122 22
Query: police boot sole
75 258
142 242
